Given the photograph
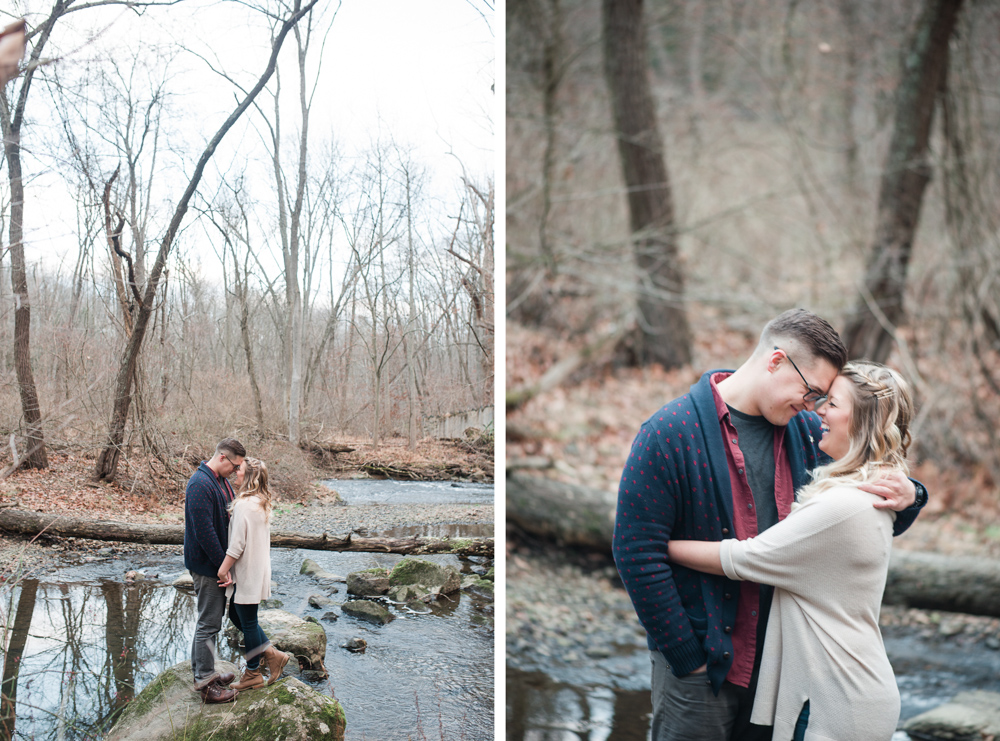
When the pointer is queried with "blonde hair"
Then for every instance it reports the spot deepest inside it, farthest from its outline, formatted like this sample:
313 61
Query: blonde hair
879 431
255 484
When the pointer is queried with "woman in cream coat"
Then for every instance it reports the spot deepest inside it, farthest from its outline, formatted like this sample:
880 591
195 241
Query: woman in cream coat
824 674
246 571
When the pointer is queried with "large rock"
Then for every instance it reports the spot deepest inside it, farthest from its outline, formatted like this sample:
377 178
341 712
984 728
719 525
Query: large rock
368 610
169 709
313 569
290 633
425 573
968 716
368 583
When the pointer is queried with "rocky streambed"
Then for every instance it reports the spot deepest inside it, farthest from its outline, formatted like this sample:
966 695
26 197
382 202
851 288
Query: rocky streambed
577 661
90 639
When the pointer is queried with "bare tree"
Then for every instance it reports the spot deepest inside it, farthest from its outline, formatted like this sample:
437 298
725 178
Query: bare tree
107 462
663 325
879 308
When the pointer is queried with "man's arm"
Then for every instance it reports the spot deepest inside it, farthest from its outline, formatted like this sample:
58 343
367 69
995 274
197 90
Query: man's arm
644 520
904 496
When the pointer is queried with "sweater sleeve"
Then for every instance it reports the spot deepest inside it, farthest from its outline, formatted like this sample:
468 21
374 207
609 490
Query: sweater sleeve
794 554
644 521
201 511
238 529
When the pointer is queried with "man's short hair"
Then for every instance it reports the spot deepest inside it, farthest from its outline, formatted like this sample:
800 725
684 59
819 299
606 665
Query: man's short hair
810 332
232 446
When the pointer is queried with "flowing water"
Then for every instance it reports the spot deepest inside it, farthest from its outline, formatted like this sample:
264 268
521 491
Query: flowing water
610 701
81 642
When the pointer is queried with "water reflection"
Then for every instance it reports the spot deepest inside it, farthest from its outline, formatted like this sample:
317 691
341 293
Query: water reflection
78 651
76 654
541 709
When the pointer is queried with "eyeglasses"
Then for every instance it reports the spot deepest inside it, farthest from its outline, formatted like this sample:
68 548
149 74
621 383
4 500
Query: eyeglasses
236 466
811 396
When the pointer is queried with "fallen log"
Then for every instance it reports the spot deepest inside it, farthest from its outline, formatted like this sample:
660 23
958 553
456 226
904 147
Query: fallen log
568 514
27 522
935 582
578 516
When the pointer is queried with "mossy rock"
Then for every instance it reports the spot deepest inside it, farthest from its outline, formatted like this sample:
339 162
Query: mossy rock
366 609
482 587
368 583
490 574
170 710
305 639
427 574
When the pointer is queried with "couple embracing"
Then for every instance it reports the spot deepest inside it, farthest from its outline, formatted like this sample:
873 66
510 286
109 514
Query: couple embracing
753 531
227 549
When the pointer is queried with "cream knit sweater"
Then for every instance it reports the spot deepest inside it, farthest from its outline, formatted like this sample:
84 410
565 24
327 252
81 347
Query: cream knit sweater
828 561
250 545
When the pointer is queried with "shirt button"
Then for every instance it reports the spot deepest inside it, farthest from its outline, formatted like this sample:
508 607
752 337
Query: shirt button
750 506
739 471
734 441
753 612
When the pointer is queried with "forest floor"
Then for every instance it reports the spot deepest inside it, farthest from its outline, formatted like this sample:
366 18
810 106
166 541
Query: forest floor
144 493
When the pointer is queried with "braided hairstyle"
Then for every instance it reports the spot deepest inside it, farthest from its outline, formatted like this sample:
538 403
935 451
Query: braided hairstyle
255 484
879 431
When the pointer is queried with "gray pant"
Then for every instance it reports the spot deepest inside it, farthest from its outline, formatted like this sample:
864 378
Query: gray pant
211 610
686 709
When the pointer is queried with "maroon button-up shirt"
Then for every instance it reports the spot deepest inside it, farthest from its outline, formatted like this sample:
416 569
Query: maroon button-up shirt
744 633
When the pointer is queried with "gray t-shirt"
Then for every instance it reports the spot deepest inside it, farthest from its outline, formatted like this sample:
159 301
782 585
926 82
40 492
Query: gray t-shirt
757 444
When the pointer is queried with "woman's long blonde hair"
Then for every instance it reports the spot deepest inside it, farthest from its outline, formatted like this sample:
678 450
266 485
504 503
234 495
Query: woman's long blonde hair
255 484
879 432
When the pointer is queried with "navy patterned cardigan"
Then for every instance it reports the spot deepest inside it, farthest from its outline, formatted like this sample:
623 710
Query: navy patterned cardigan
676 484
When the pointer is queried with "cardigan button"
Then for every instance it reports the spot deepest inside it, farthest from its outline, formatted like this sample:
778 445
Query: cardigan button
725 655
725 531
727 595
729 629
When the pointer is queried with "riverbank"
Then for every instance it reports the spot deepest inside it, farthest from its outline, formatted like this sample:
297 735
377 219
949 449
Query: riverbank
146 493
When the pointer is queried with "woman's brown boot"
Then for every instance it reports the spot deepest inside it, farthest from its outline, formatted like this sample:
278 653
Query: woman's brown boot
276 661
251 679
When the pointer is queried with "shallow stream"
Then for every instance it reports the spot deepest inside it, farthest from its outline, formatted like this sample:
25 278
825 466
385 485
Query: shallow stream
80 639
610 699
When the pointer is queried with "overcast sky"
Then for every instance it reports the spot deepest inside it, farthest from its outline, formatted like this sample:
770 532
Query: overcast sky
420 72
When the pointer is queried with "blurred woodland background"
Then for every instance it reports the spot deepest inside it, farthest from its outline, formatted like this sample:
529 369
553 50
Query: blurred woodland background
300 291
680 172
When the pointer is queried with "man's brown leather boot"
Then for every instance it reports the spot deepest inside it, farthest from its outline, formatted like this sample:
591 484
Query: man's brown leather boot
213 693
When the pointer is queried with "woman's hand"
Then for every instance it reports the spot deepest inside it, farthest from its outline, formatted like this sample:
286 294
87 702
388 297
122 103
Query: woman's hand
225 579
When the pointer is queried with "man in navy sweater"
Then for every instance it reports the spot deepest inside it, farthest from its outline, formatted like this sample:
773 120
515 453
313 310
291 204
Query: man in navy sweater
206 537
724 461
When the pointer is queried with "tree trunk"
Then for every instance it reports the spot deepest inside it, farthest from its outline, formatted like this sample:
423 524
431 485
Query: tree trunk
107 462
663 325
32 523
35 456
880 306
